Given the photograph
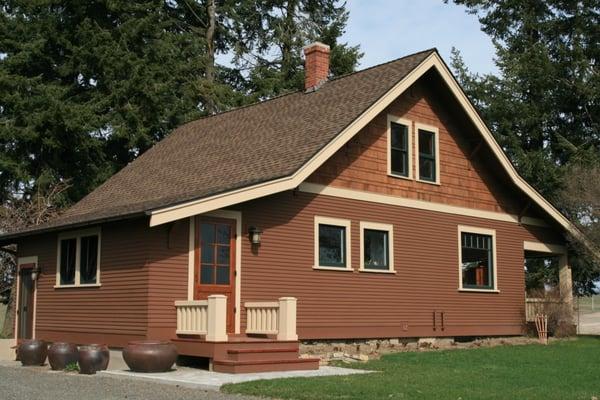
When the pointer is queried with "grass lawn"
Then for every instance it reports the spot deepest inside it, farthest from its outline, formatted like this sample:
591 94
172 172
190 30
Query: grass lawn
562 370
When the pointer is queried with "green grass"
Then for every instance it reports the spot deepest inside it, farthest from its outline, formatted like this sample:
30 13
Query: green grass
562 370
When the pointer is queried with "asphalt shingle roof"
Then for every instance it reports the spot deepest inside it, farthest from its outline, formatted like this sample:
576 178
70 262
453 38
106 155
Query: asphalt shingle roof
238 148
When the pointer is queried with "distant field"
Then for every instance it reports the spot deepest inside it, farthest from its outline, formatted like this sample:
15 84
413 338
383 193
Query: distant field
588 305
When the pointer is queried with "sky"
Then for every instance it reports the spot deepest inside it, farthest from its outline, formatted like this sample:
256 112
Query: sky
389 29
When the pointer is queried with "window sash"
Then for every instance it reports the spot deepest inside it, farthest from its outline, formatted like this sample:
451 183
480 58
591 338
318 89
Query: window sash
82 243
403 150
478 242
342 247
385 246
425 157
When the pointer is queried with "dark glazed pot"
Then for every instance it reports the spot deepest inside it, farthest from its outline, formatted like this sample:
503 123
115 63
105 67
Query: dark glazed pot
150 356
91 359
105 354
32 352
61 354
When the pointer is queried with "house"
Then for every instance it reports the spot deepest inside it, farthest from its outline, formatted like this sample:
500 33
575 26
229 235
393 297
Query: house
374 205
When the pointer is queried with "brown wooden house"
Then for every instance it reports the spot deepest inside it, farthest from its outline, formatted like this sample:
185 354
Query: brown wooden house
374 205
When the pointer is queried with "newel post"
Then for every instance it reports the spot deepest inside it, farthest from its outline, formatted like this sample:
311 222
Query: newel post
217 318
287 319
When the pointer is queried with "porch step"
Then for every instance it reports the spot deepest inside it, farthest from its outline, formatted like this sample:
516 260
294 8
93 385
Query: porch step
265 354
239 367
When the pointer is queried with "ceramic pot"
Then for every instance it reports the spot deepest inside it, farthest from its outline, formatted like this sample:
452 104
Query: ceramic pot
105 355
150 356
61 354
32 352
91 359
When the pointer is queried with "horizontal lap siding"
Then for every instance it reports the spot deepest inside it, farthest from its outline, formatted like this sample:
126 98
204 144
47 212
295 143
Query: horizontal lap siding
113 313
168 277
358 304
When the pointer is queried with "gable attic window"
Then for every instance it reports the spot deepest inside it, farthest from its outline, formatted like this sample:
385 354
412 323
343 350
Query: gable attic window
399 146
78 259
332 244
428 160
477 258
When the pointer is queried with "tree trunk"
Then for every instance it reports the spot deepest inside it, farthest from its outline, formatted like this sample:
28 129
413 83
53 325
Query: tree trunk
210 56
287 41
9 322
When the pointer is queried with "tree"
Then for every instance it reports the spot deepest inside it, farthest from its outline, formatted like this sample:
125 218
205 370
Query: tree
275 32
19 213
544 107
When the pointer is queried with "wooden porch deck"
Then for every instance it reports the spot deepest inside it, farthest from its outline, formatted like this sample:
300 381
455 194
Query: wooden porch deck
243 354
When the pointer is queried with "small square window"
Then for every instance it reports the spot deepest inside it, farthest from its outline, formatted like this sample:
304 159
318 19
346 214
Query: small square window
377 247
332 246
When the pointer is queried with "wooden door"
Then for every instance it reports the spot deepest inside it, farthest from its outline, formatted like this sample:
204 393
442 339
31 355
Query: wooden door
215 262
25 305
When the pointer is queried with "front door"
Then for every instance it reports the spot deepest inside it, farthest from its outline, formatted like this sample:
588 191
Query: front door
25 305
215 262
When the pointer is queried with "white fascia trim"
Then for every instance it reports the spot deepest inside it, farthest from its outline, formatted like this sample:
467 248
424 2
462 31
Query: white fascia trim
544 247
172 213
352 194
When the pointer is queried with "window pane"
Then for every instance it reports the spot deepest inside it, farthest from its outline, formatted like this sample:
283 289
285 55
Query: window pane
68 249
207 233
399 136
207 274
332 245
426 169
223 234
223 255
426 142
477 263
399 162
376 251
88 260
222 275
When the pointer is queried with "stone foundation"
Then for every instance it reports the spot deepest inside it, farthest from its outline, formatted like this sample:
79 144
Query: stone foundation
365 350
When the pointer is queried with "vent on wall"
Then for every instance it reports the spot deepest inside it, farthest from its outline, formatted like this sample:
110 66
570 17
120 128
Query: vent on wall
439 320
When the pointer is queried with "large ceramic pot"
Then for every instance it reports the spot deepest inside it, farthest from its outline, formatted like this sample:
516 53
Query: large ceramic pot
150 356
32 352
61 354
91 359
105 355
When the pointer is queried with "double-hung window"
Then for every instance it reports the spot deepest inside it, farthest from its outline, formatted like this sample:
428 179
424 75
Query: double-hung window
428 160
332 243
399 147
78 259
477 258
377 247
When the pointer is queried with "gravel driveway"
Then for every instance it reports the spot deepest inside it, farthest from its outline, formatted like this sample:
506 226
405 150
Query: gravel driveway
21 383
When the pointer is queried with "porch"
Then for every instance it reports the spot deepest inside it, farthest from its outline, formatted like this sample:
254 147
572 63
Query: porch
269 343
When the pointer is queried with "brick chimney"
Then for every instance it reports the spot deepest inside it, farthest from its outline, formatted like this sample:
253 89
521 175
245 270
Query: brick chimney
316 65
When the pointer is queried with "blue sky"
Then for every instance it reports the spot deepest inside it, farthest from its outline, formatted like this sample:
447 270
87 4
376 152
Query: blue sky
388 29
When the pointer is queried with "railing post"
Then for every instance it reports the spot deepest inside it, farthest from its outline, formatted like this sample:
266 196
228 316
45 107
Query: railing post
217 318
287 319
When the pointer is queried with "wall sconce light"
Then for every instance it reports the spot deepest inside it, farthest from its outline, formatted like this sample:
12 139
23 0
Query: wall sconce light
255 235
35 273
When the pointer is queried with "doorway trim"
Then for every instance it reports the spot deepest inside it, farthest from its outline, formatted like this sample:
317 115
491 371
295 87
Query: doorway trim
229 214
21 261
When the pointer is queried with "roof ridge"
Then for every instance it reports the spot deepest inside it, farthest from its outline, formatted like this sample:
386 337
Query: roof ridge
336 78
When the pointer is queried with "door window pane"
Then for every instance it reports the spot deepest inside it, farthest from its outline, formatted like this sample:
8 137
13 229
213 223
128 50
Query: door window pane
68 251
207 274
223 234
477 264
376 252
332 245
222 275
88 259
223 255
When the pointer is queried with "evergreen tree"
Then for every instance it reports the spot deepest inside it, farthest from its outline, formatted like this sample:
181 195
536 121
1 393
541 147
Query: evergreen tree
544 107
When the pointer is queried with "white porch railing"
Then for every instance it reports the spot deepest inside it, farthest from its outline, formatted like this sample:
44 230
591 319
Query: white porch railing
534 306
203 317
192 317
272 318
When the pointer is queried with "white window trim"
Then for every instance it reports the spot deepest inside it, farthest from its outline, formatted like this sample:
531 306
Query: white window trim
481 231
436 131
379 227
408 123
78 235
337 222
